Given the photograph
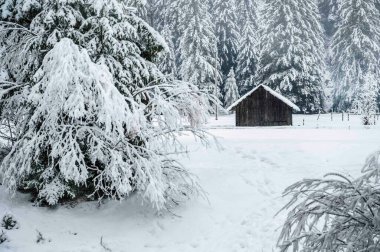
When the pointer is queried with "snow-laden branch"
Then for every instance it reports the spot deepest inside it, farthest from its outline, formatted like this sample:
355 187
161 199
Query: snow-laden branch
10 26
6 87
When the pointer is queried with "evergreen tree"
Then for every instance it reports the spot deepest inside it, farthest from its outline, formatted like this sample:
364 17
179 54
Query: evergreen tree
93 115
227 33
292 59
167 59
230 89
247 60
78 120
165 13
355 49
248 56
164 19
142 8
247 10
197 45
365 102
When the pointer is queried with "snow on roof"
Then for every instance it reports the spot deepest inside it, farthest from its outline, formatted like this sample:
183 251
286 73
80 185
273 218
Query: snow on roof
274 93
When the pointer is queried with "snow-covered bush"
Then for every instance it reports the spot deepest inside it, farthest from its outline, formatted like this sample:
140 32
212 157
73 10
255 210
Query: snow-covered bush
9 222
90 112
335 213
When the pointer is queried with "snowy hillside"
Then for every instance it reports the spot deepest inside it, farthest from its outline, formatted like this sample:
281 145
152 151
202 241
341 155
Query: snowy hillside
243 181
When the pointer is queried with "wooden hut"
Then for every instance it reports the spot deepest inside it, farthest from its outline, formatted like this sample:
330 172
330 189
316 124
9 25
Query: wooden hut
263 107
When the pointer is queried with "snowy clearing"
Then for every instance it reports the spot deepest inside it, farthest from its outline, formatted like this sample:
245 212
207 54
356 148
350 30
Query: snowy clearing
243 181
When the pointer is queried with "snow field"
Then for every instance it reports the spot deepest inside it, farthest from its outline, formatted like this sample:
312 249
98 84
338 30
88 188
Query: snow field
244 181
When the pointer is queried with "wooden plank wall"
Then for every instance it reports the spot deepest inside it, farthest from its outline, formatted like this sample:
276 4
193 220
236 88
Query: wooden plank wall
263 109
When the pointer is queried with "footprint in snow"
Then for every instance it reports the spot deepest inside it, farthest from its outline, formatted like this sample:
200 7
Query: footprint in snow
194 245
247 181
247 156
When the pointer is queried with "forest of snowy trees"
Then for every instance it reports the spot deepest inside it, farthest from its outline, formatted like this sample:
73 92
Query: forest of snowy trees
136 73
95 96
322 54
157 61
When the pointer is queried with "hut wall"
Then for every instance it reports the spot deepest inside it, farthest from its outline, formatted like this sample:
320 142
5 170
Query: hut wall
263 109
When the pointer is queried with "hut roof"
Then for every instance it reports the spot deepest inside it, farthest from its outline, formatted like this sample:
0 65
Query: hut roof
274 93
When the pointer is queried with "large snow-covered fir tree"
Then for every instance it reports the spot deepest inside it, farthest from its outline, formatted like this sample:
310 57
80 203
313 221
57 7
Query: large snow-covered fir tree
230 89
355 49
227 32
92 114
292 52
77 131
248 56
197 45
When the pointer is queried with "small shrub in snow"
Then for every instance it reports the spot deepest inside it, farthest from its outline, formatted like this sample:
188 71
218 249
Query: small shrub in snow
3 237
8 222
40 238
334 213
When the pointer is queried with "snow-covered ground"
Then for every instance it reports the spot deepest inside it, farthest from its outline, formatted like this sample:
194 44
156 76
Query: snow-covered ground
244 181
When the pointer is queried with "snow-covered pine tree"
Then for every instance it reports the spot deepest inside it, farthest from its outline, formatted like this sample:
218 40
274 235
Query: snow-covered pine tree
248 56
247 60
227 32
163 18
165 13
247 9
141 6
197 44
116 156
365 102
292 52
167 59
230 89
355 49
